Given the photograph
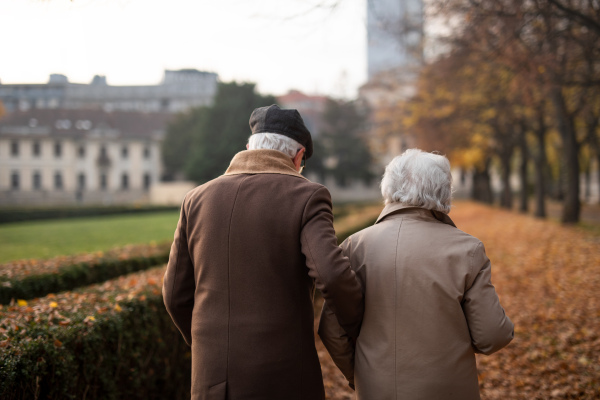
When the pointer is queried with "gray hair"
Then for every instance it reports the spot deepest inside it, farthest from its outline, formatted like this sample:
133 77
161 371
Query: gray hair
274 141
420 179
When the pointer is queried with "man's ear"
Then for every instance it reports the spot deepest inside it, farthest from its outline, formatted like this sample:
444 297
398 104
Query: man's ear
297 160
247 146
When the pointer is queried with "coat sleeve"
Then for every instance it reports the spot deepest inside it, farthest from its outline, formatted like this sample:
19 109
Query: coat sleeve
178 283
326 264
489 326
340 346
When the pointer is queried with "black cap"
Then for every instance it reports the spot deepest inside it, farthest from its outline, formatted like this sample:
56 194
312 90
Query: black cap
273 119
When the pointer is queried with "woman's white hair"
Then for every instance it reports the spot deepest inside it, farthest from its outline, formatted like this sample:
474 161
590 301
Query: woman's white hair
274 141
420 179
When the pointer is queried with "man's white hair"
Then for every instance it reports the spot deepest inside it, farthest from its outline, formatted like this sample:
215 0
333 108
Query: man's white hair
274 141
420 179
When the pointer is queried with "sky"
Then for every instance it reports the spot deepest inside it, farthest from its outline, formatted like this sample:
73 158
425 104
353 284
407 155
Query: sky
278 44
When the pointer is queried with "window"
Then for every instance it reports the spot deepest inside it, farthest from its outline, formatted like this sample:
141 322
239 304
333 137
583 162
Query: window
37 181
14 148
147 181
103 152
58 181
81 181
124 181
57 149
36 149
15 182
124 152
146 151
81 151
103 182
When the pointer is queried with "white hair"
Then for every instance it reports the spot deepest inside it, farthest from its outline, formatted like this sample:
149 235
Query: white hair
420 179
274 141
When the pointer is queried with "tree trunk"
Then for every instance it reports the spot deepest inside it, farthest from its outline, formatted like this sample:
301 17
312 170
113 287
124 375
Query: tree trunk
598 172
587 191
541 166
592 125
482 188
570 153
524 198
506 198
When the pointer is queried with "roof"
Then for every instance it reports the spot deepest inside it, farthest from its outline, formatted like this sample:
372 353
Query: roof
83 123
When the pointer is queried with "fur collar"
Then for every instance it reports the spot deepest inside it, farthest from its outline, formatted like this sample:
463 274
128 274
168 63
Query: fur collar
262 162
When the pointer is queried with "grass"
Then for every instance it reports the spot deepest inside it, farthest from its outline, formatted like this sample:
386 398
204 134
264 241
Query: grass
45 239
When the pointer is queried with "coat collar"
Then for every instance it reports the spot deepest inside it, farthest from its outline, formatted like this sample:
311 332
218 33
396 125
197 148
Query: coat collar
397 208
262 162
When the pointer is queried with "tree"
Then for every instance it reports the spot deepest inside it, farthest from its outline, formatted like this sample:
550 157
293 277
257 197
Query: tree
177 145
551 49
347 157
202 142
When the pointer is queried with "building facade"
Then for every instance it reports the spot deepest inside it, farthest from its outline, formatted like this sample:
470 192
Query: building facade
178 91
53 156
311 108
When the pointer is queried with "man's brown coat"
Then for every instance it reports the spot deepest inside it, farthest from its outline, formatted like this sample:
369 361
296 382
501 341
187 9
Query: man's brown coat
249 248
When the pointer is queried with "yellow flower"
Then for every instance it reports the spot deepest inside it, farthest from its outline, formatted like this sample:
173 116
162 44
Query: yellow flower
22 303
53 304
118 308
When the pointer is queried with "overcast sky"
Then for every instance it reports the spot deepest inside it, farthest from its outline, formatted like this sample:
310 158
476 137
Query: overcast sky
279 44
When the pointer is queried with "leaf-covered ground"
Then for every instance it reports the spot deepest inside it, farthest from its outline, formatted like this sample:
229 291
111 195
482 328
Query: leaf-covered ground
548 280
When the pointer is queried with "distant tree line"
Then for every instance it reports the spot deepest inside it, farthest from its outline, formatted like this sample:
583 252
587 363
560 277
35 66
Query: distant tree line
201 142
519 88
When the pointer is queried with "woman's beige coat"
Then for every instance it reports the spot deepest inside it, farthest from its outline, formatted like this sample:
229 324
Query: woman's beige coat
429 307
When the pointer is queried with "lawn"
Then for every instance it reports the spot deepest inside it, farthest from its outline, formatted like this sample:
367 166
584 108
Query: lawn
44 239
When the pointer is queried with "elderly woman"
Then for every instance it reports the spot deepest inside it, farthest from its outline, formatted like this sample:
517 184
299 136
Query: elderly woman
429 301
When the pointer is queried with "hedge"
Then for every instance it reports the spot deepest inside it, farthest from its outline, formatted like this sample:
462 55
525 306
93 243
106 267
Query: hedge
343 235
9 215
34 278
108 341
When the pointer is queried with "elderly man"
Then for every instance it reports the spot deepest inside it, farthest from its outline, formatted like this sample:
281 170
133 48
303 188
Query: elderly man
429 301
249 248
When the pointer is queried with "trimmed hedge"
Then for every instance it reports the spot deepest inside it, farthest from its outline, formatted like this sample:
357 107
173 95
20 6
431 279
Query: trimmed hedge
341 236
107 341
9 215
37 281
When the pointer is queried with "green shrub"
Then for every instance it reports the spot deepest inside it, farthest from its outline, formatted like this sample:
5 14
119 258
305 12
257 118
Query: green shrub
35 279
341 236
107 341
8 215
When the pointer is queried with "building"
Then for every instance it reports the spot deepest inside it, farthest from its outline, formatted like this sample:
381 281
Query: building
395 40
66 156
394 35
178 91
311 108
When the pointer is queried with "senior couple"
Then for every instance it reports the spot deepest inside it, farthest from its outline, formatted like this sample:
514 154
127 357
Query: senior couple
408 301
